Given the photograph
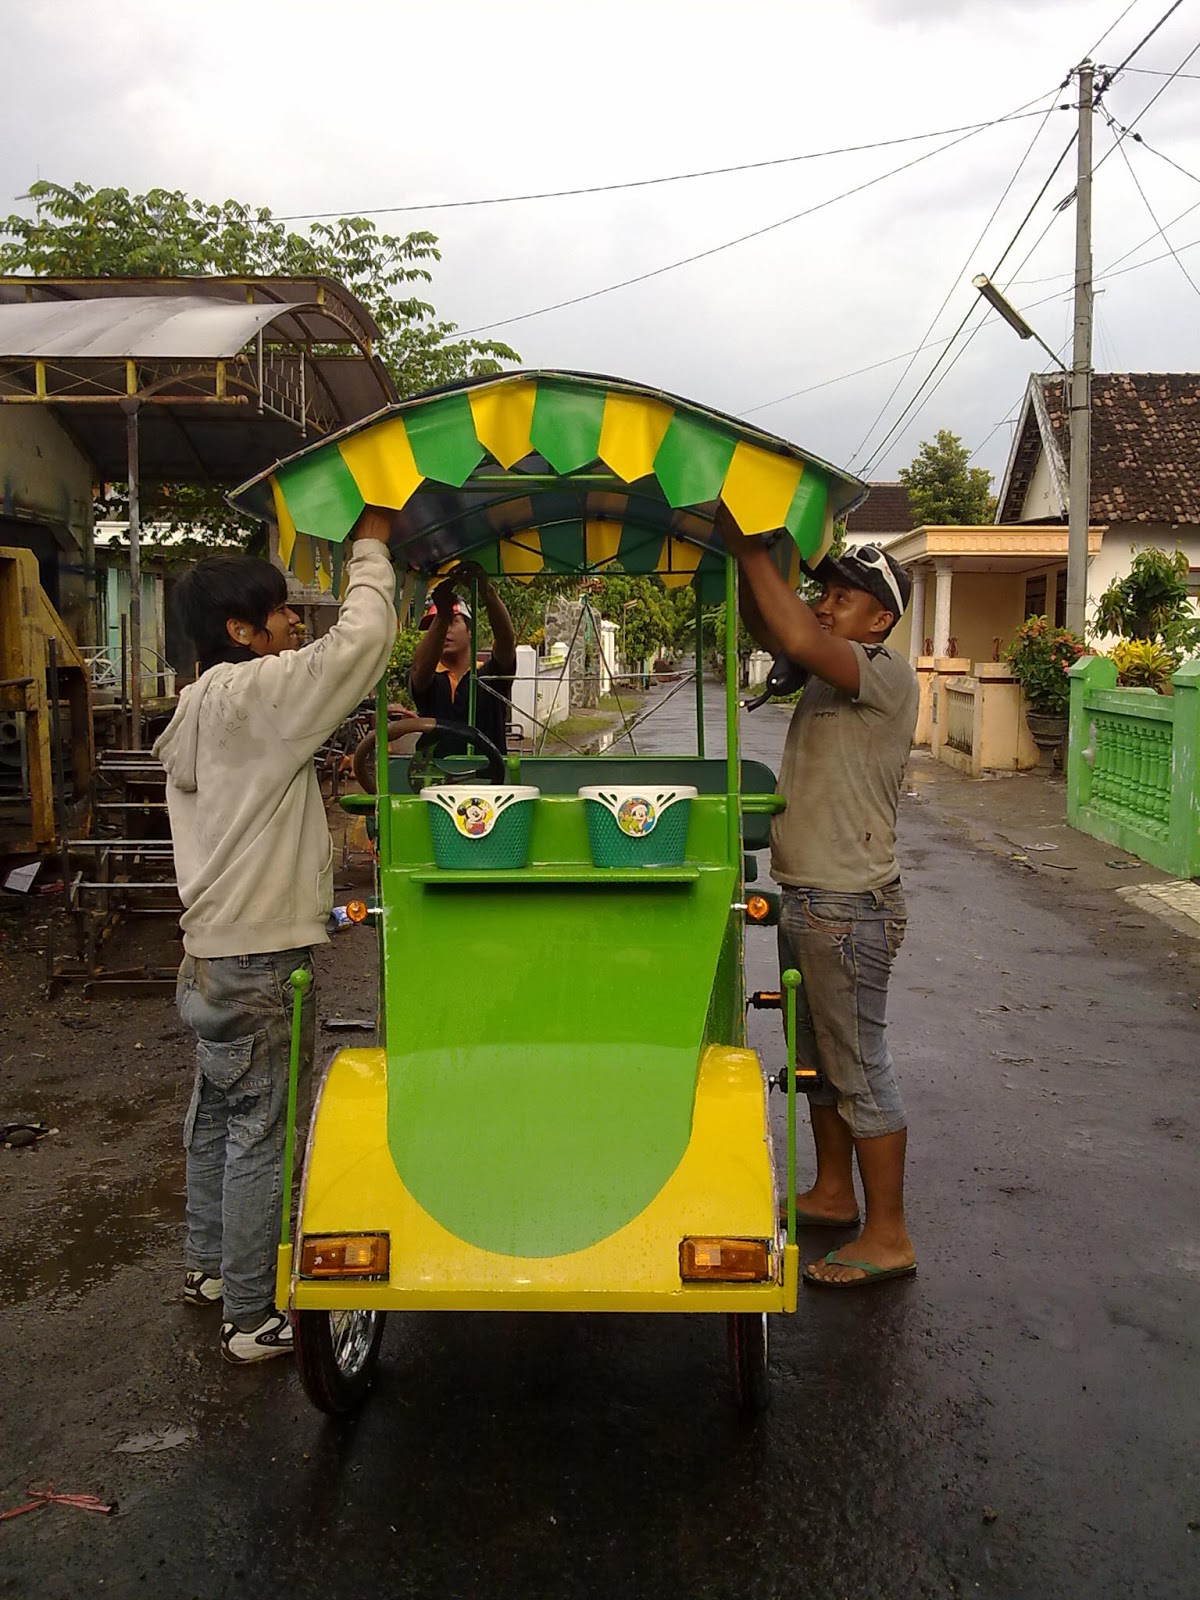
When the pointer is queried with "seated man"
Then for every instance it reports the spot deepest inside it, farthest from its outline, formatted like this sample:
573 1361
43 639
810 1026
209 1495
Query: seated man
440 677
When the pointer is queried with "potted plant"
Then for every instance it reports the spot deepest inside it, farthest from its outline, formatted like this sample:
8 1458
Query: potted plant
1041 656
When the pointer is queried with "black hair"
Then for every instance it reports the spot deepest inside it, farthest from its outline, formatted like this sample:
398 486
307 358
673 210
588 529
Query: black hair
223 588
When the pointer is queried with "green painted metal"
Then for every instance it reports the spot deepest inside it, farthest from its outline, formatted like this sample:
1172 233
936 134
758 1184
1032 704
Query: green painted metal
594 877
1133 765
566 425
442 436
790 979
699 635
322 496
732 786
805 520
547 1112
300 981
692 461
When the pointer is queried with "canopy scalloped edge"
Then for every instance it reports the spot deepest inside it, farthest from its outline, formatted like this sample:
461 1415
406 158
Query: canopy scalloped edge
535 472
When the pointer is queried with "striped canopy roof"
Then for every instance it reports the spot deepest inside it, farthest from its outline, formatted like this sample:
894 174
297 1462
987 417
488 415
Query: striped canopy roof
553 472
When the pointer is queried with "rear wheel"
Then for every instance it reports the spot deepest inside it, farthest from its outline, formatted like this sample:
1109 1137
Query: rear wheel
336 1352
748 1359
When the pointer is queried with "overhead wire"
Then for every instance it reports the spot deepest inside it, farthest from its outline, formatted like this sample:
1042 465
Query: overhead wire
755 233
933 321
1119 145
1161 90
647 183
1114 72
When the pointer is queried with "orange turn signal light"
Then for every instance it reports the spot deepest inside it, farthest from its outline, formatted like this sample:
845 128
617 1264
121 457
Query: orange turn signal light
344 1255
711 1260
357 910
758 908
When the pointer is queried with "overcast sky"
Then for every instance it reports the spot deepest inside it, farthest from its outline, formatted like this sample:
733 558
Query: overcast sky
309 108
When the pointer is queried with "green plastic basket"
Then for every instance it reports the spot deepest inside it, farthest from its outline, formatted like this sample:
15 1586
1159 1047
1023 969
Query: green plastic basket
482 825
638 827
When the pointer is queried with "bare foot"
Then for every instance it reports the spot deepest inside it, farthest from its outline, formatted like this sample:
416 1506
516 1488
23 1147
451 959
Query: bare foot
889 1255
834 1206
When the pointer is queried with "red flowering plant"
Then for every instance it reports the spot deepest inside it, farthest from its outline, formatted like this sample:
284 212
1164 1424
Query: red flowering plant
1041 656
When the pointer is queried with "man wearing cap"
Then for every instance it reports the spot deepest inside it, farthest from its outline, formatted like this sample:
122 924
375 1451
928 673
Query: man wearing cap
440 677
833 851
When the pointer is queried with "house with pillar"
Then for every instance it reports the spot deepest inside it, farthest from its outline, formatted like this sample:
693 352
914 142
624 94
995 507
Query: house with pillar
974 586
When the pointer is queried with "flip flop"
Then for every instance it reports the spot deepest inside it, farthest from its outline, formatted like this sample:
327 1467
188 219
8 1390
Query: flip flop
874 1274
810 1219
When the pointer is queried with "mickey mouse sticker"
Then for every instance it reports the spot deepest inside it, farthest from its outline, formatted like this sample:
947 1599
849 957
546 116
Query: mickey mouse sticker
474 817
636 816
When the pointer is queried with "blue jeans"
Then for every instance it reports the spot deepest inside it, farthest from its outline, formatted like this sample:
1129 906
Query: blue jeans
843 945
240 1010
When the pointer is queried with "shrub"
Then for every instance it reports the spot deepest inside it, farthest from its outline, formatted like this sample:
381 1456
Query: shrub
1041 656
1143 664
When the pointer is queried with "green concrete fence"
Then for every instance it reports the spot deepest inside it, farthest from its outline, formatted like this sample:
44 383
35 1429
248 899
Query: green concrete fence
1133 765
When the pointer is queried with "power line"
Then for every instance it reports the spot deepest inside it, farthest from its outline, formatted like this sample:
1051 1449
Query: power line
646 183
1161 90
1146 38
729 244
955 280
1161 72
1112 28
1154 219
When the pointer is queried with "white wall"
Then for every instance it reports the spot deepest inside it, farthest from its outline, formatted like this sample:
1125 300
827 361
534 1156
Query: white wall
1123 540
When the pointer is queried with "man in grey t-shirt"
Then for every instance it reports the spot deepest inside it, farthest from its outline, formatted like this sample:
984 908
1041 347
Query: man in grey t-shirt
833 850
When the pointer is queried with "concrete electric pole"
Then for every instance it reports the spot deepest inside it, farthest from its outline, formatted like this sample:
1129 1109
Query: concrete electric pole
1079 490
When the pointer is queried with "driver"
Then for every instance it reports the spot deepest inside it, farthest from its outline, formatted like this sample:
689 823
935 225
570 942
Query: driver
440 677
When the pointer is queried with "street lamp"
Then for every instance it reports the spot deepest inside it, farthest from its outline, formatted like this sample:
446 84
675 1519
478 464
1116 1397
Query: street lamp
1079 493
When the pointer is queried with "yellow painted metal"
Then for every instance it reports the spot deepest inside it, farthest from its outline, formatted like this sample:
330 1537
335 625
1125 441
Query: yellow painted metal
502 419
283 520
131 379
283 1276
39 379
723 1185
759 487
602 541
678 562
631 432
221 376
791 1276
324 567
521 557
304 563
382 464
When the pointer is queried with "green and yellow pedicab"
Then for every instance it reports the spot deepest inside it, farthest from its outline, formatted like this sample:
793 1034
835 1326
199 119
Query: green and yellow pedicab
562 1113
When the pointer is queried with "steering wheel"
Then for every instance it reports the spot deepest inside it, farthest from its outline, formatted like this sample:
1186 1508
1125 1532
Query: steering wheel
428 768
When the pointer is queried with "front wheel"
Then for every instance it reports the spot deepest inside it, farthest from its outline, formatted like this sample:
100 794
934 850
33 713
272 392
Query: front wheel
748 1359
336 1352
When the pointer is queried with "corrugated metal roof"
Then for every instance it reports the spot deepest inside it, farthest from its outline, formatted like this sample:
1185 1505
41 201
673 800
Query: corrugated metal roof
179 328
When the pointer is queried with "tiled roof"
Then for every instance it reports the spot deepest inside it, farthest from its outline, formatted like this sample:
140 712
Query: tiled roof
1145 447
885 510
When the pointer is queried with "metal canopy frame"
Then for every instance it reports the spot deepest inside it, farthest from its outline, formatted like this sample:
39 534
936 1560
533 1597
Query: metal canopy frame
187 389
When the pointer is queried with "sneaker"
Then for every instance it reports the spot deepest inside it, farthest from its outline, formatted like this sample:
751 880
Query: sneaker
272 1337
199 1289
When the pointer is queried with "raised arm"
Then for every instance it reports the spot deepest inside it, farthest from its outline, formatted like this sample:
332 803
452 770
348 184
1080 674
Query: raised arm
785 617
433 641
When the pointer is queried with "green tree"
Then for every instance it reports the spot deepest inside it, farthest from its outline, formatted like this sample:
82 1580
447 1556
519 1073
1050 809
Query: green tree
942 488
79 231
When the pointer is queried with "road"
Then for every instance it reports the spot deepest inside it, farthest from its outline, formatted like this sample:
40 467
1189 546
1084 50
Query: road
1018 1421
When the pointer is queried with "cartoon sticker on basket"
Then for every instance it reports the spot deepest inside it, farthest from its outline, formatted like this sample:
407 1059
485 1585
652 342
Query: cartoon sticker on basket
474 817
636 816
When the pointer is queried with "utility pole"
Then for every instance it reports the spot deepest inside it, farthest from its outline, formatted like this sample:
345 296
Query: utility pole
1080 483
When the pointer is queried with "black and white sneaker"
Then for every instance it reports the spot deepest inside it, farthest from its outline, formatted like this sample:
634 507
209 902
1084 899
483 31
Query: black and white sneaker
272 1337
201 1289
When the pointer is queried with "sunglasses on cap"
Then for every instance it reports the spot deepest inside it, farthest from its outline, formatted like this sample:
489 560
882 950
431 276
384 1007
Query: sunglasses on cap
870 568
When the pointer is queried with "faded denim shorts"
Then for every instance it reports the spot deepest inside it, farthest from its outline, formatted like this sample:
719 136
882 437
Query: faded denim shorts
843 946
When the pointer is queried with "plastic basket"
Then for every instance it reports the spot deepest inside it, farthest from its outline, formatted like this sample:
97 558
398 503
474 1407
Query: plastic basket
481 824
638 827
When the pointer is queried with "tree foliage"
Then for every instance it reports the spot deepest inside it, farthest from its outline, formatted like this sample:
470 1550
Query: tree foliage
1152 603
942 488
79 231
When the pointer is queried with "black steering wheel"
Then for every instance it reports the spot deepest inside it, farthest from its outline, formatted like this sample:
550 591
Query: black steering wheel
432 765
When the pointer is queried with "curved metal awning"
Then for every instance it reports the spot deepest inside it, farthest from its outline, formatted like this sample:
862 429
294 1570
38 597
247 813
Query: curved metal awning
226 372
550 472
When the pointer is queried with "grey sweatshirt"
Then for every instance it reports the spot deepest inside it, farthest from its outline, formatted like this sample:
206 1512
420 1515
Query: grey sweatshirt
253 855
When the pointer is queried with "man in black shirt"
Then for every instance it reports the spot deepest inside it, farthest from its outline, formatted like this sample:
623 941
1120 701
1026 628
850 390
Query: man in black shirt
440 677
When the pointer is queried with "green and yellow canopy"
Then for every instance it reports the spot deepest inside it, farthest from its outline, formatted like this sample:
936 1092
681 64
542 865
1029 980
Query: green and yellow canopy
549 472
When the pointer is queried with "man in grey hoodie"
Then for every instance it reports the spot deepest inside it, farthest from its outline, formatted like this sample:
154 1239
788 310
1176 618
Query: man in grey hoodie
254 863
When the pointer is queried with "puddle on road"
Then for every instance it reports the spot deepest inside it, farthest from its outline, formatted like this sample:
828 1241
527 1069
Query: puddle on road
65 1252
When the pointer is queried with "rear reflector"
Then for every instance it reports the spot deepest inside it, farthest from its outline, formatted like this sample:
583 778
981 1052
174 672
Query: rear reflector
344 1255
725 1260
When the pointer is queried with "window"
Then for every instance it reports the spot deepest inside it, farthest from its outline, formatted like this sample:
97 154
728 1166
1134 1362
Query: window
1035 596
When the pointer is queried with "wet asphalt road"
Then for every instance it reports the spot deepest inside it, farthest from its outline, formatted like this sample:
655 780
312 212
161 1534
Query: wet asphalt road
1018 1421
